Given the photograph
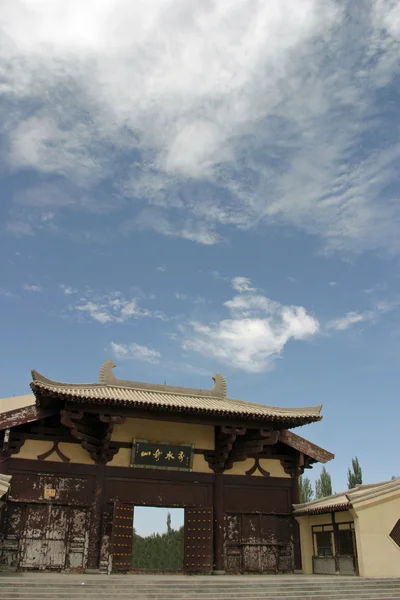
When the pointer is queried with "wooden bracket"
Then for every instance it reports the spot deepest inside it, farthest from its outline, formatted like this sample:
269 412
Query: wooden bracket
55 449
94 433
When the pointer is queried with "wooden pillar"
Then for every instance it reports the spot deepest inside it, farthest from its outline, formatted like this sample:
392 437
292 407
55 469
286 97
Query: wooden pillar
95 520
336 540
219 566
295 498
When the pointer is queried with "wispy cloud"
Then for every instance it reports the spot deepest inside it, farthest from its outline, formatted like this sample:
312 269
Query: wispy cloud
351 318
135 352
188 297
113 308
7 294
242 284
33 288
67 289
237 114
254 334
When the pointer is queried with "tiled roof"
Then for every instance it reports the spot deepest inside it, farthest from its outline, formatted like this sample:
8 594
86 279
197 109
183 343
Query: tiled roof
112 391
345 500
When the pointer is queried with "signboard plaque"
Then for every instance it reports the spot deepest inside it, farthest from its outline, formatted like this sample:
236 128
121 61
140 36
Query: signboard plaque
162 455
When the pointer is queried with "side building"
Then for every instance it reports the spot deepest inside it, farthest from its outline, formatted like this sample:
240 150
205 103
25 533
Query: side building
356 532
82 456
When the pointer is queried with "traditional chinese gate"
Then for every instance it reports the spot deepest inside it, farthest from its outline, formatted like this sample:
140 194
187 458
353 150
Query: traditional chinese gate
258 544
198 557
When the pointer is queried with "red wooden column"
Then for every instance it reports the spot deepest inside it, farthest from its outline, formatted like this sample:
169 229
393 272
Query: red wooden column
219 563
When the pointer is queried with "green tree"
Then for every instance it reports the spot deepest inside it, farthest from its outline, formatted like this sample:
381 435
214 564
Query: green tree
159 552
306 491
354 475
169 528
323 485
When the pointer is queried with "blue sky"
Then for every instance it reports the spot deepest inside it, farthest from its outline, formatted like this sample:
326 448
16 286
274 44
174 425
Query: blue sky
213 187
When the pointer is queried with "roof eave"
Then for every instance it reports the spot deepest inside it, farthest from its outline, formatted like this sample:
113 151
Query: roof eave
287 422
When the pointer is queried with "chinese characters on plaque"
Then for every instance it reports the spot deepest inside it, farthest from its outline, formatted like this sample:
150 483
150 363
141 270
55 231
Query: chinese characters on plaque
154 455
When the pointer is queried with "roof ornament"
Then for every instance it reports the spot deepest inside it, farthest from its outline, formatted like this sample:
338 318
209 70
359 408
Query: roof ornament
219 388
106 376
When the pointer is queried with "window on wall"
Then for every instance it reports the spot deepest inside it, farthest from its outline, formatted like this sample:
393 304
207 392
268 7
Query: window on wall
323 544
346 539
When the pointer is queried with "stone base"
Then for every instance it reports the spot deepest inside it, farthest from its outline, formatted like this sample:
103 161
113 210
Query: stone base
218 573
94 572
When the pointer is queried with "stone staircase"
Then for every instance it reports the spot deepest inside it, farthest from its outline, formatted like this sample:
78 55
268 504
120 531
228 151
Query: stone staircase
49 586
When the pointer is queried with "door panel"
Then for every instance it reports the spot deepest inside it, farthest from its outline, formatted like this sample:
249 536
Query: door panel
122 537
54 537
198 540
11 534
34 543
258 543
78 539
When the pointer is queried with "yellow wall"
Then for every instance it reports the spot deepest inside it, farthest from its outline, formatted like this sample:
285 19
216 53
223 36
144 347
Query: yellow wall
34 448
273 466
378 555
306 544
202 436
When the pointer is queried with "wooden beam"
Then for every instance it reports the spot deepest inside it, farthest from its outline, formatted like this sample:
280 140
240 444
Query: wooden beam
27 414
302 445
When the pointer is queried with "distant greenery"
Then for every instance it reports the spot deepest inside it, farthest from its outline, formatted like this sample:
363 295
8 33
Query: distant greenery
306 491
161 552
323 485
354 476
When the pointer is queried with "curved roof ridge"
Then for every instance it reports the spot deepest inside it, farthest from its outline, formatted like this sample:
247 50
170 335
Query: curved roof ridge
111 390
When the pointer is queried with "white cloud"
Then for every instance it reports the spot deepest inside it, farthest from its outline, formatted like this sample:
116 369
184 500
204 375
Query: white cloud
189 229
254 335
28 287
68 290
239 112
380 308
242 284
161 269
135 352
113 308
7 293
332 283
351 318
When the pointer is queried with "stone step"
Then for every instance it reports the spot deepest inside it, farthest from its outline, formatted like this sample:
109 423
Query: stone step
95 588
56 586
261 596
75 593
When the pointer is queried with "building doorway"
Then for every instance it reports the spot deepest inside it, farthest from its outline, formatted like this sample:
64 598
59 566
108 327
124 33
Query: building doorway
158 539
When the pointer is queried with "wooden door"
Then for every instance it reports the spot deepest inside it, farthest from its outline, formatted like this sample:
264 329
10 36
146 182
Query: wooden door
78 538
198 552
34 546
11 534
122 537
54 537
258 543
